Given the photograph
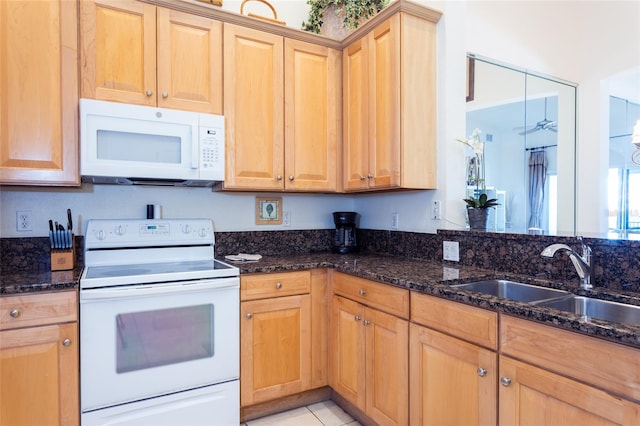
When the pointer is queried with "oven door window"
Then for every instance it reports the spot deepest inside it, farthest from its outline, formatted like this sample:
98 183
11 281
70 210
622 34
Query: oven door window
161 337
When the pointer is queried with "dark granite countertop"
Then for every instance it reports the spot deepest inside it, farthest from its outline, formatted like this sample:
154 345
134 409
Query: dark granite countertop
17 282
427 276
437 278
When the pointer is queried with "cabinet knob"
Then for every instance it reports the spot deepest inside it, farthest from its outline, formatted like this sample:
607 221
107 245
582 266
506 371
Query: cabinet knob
148 93
370 176
15 313
481 371
278 177
362 292
66 342
357 318
291 178
362 177
278 285
366 322
165 95
249 315
505 381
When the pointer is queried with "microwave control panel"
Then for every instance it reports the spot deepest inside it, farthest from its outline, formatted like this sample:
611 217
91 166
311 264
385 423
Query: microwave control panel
211 151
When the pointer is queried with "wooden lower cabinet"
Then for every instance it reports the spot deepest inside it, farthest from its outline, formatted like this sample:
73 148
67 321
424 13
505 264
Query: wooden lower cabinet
283 333
275 348
452 382
369 360
39 363
532 396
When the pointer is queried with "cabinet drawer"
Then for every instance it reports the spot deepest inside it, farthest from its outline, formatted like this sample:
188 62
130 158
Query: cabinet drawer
38 309
384 297
465 322
606 365
261 286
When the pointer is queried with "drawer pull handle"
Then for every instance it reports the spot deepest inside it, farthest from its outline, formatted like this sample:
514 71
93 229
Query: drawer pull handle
278 285
357 318
66 342
370 176
278 178
362 177
249 315
366 322
291 178
148 93
15 313
362 292
505 381
481 371
165 95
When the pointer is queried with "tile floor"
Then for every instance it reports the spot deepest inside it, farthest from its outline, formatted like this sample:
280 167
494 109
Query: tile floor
325 413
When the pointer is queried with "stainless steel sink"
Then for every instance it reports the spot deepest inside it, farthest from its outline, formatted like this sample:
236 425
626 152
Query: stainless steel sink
596 308
513 290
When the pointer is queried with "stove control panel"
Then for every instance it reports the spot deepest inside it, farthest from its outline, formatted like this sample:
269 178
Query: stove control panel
111 233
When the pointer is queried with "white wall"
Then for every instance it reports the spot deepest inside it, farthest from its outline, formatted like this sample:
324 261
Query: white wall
581 41
229 211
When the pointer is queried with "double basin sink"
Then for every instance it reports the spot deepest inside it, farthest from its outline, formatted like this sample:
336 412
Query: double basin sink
557 299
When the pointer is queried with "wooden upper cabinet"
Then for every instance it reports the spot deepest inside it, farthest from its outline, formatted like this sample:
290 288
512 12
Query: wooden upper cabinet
384 105
390 104
253 104
355 111
312 116
118 65
157 57
39 92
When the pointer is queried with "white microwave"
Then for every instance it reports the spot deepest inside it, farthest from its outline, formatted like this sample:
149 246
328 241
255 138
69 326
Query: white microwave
133 144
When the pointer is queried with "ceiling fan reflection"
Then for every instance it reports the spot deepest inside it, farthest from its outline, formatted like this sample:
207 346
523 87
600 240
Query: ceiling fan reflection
545 124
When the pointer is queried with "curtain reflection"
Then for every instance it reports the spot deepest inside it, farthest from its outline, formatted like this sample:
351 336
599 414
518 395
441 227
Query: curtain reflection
537 180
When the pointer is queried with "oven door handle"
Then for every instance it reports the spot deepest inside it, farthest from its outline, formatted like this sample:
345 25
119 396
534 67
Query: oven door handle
158 289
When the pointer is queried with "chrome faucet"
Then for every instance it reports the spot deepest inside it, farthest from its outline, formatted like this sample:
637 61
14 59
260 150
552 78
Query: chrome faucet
582 263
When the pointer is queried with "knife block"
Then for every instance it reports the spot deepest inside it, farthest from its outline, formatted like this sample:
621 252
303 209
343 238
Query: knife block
64 260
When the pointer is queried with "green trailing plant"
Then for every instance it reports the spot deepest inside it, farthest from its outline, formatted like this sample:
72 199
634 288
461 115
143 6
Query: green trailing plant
354 12
482 202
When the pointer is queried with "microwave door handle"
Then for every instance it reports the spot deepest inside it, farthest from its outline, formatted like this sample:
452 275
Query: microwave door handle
195 153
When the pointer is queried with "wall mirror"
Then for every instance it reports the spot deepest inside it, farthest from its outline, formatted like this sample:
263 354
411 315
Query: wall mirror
528 127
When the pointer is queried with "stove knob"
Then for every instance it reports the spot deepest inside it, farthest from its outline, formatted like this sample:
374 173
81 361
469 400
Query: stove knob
203 232
186 229
121 230
101 235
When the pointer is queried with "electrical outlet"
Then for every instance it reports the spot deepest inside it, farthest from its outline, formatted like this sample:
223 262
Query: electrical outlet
395 219
286 218
23 220
435 210
451 251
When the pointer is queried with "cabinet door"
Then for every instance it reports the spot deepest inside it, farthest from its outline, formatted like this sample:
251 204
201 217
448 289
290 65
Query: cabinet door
189 62
118 65
347 350
384 104
312 116
275 348
355 115
538 397
387 368
39 376
39 92
254 110
452 382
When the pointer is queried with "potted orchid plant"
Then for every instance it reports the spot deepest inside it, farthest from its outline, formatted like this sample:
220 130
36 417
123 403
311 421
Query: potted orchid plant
478 203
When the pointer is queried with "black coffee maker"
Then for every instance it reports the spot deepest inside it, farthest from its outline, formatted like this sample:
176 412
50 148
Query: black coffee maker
344 240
